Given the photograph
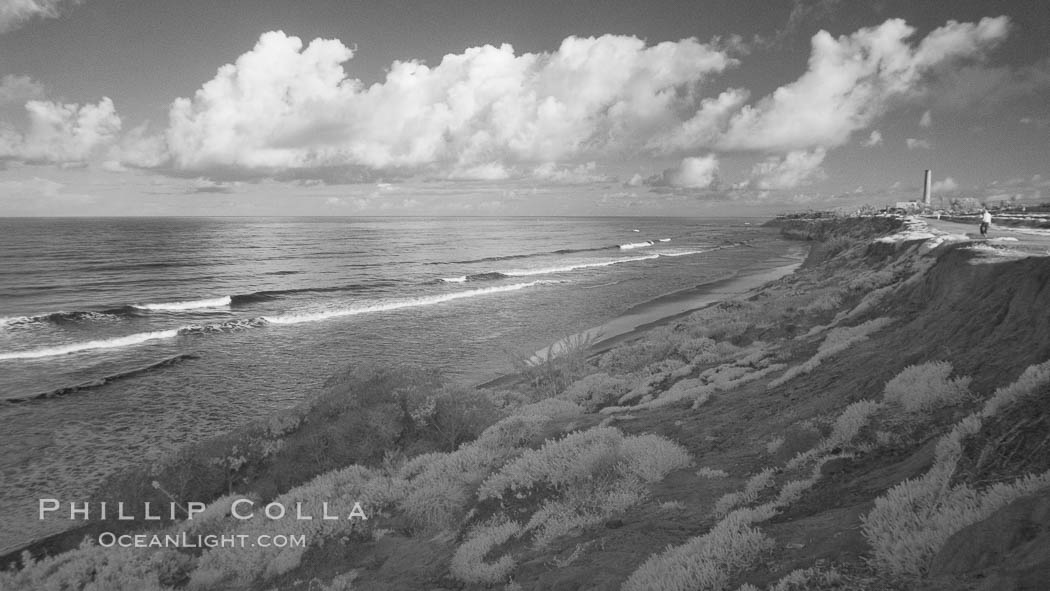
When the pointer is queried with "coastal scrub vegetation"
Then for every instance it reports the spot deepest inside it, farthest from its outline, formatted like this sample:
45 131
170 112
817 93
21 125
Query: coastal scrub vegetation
680 460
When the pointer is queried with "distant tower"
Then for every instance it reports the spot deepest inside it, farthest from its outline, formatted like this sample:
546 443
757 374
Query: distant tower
926 189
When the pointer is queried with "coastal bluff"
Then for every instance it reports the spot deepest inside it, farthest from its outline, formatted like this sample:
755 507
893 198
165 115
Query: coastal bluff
878 419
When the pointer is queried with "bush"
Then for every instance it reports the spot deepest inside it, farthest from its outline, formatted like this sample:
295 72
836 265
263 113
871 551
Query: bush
920 388
591 503
755 485
584 455
596 391
468 563
836 341
550 371
704 562
913 520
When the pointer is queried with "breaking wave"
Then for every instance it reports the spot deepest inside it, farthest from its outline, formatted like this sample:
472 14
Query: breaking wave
299 317
132 339
103 380
186 305
249 323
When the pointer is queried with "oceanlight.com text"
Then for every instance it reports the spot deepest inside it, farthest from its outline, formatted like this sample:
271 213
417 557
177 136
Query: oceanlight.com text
183 540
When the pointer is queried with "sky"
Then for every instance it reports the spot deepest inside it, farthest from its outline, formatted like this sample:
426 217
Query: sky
474 107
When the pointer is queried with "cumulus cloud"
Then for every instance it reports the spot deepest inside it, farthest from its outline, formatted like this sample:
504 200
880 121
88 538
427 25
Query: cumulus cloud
19 88
288 110
795 169
917 144
15 13
63 133
987 87
581 174
852 80
282 105
691 173
945 186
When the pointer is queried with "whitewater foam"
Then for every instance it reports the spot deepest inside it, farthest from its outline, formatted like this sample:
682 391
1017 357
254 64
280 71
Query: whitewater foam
634 245
567 268
132 339
297 318
186 305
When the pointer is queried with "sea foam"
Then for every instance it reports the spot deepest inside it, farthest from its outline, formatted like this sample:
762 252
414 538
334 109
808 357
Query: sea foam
299 317
132 339
187 305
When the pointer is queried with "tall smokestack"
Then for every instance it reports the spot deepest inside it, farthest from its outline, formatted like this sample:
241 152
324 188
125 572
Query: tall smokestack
926 188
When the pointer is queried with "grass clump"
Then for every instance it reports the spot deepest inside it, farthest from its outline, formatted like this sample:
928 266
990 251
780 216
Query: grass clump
921 388
582 454
550 371
468 563
596 391
911 522
836 341
755 485
705 562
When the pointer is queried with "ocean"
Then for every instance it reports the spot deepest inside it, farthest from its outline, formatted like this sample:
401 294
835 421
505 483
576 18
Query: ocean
122 339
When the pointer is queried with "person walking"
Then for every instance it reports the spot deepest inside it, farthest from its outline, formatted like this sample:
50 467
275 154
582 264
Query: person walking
986 221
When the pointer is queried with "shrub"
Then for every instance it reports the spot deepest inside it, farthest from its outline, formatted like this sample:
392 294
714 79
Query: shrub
596 390
848 424
468 563
583 455
836 341
550 371
911 522
589 504
94 568
632 357
824 302
651 457
705 562
923 387
755 485
340 489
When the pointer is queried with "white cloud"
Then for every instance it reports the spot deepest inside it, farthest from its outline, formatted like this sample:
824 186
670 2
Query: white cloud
706 126
285 106
691 173
945 186
288 109
63 133
853 80
926 120
490 171
917 144
796 168
38 196
15 13
19 88
582 174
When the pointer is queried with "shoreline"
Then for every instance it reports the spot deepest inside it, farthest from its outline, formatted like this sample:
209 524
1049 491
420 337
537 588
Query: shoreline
637 320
